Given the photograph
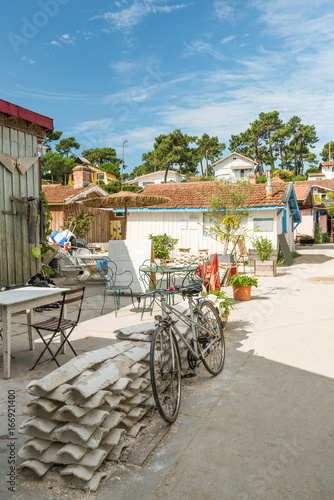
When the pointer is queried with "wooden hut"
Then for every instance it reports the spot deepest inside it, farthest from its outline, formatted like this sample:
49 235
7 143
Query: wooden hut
21 131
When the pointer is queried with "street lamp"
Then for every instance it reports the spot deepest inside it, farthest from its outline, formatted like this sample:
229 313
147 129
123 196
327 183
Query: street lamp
122 164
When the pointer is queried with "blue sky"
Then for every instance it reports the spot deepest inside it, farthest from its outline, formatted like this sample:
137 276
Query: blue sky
133 69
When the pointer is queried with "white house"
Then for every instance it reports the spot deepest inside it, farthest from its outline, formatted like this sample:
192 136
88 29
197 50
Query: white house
156 178
316 176
233 167
327 168
187 212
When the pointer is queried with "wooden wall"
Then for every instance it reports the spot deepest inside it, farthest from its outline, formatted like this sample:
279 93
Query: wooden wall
17 263
100 231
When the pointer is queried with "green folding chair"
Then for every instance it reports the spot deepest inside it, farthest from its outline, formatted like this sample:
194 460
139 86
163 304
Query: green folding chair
114 282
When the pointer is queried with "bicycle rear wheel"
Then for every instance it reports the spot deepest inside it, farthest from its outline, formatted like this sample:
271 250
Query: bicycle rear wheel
210 331
165 373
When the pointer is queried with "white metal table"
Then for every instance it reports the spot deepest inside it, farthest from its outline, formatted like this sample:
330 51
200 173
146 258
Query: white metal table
20 299
88 264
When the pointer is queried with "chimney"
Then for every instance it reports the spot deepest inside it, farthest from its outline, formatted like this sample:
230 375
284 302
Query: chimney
82 176
269 187
252 179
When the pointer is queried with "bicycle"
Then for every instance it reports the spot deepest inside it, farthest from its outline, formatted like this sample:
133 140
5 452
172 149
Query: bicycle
207 345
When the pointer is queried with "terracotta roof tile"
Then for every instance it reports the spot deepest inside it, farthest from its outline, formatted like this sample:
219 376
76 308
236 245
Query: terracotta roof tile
196 194
56 193
326 183
301 192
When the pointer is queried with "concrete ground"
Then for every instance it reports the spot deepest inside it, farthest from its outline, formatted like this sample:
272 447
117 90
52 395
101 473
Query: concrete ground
262 429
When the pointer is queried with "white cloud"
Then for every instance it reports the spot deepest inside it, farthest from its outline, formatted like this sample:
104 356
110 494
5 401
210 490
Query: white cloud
129 17
28 60
223 10
62 40
200 47
227 39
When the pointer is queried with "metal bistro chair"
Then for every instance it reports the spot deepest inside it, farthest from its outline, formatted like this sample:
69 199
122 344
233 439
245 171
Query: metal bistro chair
152 277
114 282
60 326
196 273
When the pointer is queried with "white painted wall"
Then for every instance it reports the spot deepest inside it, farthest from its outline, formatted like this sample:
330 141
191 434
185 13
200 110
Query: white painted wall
186 227
158 178
328 172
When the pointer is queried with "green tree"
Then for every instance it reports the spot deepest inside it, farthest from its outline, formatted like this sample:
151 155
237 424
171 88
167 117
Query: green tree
268 139
209 148
101 155
52 165
171 150
55 167
227 210
327 155
65 146
52 135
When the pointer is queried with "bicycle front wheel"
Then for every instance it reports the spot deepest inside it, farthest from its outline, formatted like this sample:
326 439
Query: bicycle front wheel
165 373
210 337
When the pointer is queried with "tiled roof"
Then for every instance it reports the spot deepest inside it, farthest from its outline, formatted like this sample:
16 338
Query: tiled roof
327 163
325 183
316 175
301 193
56 193
196 194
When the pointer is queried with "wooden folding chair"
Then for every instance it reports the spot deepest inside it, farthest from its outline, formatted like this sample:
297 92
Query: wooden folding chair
60 326
242 252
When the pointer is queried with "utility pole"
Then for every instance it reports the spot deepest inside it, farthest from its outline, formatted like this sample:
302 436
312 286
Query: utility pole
122 164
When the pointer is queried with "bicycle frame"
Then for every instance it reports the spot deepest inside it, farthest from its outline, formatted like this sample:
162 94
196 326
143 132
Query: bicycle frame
166 320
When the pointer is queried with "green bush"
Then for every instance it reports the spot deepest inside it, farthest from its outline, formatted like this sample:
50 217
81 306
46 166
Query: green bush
317 233
325 237
162 245
263 247
285 175
228 303
261 179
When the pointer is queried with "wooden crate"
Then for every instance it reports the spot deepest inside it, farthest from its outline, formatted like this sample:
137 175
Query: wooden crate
265 268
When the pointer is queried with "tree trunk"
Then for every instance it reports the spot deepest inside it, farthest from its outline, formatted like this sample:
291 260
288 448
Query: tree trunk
202 172
166 173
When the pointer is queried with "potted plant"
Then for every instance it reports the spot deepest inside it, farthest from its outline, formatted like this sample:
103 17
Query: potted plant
264 265
242 285
163 245
226 304
306 240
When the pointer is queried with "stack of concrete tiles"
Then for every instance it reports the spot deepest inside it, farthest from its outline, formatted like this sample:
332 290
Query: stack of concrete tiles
87 411
90 409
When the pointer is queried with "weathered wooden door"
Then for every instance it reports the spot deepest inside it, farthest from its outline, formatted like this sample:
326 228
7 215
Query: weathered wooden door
115 230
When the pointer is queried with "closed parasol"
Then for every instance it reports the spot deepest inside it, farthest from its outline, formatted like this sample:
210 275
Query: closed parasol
125 199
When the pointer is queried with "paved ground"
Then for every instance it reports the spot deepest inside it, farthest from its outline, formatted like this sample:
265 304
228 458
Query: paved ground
263 429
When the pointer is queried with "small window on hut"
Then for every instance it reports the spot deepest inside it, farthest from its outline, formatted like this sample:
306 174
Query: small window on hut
263 224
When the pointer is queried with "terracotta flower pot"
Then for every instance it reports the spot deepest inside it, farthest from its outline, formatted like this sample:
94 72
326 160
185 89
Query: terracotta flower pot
241 292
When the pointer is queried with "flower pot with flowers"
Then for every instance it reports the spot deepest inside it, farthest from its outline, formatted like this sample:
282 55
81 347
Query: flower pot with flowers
242 286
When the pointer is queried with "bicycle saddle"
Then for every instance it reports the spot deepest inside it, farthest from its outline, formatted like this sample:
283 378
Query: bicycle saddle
192 289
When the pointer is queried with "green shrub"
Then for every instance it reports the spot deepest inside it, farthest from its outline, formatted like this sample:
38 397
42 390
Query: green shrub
325 237
306 240
317 233
261 179
263 247
162 245
228 303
